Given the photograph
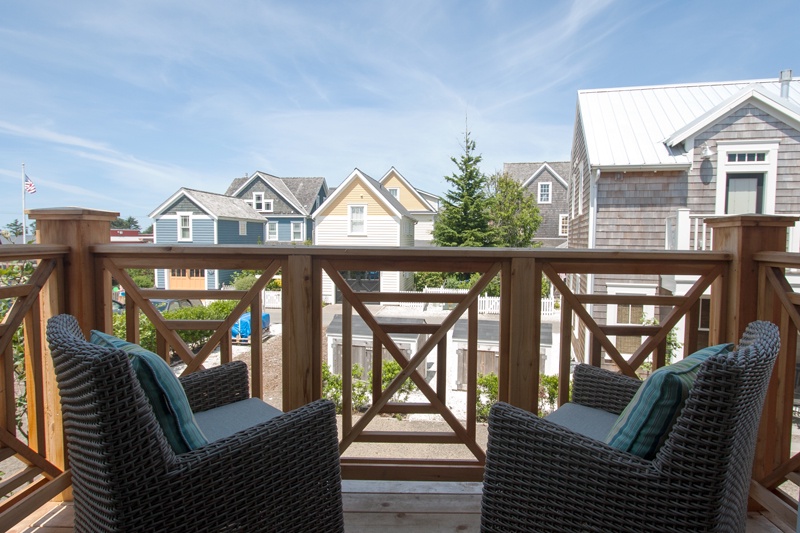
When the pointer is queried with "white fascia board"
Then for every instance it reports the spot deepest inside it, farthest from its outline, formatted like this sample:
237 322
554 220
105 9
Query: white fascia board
786 110
166 203
408 185
539 172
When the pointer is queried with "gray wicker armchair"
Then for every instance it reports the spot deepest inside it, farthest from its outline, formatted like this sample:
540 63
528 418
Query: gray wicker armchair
279 475
541 476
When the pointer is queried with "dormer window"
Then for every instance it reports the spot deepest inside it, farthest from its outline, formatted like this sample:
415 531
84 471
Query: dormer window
268 206
258 201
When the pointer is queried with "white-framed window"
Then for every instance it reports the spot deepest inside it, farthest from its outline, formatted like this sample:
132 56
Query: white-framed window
394 191
297 231
563 224
633 314
258 201
184 226
746 177
268 205
357 217
272 231
544 192
242 227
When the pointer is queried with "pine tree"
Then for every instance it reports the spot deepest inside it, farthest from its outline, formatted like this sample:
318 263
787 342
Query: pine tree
514 215
464 217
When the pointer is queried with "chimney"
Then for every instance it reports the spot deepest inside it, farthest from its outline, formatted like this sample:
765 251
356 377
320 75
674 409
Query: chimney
786 78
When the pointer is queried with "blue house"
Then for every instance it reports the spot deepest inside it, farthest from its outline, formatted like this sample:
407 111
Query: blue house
197 217
286 203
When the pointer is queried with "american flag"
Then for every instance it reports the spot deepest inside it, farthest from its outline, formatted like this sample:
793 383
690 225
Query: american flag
29 186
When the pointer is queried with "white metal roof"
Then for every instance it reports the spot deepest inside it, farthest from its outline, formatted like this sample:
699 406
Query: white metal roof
643 126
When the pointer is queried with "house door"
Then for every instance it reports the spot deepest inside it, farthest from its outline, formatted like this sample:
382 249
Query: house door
187 278
745 193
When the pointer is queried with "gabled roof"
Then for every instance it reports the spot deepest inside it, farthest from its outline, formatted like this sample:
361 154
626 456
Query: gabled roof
414 191
643 127
300 193
525 173
379 192
217 206
306 190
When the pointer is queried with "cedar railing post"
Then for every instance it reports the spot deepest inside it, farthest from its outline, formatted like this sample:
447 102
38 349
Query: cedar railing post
302 333
736 300
77 228
526 322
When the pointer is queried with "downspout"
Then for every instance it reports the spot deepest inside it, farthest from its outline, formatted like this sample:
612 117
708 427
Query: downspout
593 179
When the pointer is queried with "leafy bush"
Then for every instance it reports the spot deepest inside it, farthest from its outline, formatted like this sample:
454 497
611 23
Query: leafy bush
389 371
217 310
332 388
332 385
244 279
488 390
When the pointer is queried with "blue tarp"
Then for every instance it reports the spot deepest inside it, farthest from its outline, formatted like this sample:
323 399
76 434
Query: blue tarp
241 328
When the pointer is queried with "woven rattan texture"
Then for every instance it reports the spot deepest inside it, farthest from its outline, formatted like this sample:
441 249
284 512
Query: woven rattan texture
543 477
282 475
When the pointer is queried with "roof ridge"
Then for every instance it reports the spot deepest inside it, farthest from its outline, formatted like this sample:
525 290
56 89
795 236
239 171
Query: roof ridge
674 85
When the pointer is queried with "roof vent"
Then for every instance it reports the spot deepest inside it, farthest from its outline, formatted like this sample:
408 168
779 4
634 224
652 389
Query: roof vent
786 78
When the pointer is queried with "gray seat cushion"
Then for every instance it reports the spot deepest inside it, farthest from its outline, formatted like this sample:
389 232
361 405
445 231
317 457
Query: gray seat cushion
588 421
224 421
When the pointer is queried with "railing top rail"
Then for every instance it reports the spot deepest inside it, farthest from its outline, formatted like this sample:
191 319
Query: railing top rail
784 259
14 252
177 252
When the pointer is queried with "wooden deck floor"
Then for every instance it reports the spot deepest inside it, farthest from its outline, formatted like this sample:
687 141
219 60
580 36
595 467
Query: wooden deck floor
377 506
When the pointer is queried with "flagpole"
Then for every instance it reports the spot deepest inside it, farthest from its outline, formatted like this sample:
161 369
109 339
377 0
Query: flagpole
24 225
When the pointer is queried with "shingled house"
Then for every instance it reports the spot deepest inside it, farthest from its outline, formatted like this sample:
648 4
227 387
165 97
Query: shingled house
547 182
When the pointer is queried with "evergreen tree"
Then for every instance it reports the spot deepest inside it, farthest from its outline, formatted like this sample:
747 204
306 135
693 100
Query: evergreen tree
14 228
513 214
464 217
125 223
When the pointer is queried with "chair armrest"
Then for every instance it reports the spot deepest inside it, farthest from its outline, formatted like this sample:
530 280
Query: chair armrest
540 475
603 389
283 473
217 386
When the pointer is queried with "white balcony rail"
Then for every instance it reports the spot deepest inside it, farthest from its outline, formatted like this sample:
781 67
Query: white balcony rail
688 231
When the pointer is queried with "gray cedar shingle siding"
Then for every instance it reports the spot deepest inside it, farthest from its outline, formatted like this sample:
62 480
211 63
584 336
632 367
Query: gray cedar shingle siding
548 232
279 205
308 191
183 204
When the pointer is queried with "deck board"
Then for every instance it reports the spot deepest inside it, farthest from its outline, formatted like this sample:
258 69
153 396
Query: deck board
375 506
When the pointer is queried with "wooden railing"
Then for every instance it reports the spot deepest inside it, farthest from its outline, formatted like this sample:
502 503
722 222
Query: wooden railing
41 475
522 272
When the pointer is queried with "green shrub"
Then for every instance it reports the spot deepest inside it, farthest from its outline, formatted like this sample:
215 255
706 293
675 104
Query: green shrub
488 388
389 371
217 310
332 388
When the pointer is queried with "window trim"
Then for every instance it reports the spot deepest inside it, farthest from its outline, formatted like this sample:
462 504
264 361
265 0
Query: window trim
297 224
394 191
242 228
768 167
258 199
181 215
268 205
350 219
272 224
561 218
549 185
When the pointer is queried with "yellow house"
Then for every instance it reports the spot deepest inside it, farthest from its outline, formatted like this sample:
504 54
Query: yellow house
423 206
362 212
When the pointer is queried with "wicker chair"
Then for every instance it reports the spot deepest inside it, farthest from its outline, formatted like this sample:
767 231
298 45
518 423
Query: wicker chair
280 475
543 477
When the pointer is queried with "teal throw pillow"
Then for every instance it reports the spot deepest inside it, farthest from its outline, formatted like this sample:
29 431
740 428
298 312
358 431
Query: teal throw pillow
647 420
163 390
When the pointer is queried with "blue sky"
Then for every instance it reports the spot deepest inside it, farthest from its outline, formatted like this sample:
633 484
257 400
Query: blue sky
116 105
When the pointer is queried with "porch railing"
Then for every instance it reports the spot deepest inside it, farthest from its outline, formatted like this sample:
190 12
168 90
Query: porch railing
85 291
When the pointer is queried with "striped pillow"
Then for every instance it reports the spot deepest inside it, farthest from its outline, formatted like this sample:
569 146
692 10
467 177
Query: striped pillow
645 423
163 390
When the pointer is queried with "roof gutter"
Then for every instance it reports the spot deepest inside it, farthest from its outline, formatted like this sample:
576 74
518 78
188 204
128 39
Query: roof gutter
643 168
